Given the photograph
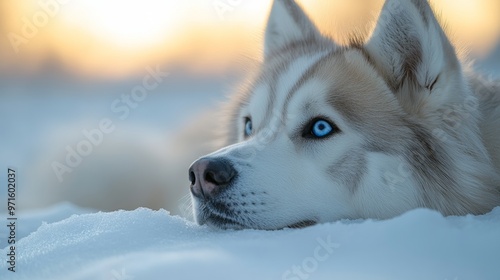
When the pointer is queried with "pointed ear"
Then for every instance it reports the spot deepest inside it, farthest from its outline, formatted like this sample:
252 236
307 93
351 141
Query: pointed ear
287 23
408 45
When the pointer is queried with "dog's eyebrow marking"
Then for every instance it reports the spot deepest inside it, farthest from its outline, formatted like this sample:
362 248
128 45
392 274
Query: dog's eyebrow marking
269 74
273 87
308 73
286 64
278 62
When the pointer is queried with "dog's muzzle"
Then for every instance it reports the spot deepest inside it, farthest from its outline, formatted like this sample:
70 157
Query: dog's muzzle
209 176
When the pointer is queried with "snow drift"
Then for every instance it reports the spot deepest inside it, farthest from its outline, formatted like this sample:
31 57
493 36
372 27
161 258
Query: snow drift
146 244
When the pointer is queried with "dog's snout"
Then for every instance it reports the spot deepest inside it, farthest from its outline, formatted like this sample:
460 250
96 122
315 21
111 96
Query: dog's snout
209 176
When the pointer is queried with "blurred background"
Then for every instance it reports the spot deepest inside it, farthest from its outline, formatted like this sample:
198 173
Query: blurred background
67 65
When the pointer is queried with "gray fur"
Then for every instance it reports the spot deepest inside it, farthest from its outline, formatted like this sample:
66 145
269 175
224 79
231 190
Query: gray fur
349 170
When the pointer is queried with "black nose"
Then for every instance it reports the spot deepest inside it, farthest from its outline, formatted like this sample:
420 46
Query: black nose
209 176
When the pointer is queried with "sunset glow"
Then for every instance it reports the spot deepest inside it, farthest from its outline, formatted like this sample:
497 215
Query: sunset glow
117 38
126 24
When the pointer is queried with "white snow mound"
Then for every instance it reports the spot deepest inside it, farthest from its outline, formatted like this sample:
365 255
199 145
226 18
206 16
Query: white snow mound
146 244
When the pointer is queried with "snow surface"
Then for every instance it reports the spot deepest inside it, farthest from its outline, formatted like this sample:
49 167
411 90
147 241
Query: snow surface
146 244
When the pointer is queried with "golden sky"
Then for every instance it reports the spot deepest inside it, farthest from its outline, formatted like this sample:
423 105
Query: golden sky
117 38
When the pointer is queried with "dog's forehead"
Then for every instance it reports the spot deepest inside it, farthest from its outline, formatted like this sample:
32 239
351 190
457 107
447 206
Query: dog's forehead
344 78
280 77
356 89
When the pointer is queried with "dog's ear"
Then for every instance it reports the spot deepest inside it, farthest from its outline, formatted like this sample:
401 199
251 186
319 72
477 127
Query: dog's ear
287 23
408 45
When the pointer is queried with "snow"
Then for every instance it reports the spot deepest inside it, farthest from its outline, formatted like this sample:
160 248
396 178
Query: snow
147 244
32 220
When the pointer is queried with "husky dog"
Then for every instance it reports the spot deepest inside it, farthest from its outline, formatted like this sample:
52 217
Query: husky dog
370 130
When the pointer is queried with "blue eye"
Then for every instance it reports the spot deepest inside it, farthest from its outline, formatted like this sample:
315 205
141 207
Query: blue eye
248 127
319 128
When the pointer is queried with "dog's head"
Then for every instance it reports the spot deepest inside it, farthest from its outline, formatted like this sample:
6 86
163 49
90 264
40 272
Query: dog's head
328 132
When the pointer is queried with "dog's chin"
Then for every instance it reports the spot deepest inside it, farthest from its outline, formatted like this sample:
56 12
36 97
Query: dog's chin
218 216
302 224
218 222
